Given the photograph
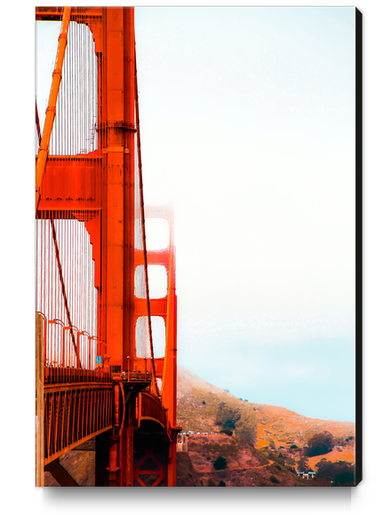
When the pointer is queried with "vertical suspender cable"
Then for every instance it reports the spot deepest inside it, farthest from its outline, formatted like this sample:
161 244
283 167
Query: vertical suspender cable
63 287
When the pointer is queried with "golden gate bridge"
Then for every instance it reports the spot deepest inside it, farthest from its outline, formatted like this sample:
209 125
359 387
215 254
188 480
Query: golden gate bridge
96 372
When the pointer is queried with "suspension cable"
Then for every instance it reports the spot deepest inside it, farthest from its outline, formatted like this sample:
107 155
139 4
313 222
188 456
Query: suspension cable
143 218
37 122
51 109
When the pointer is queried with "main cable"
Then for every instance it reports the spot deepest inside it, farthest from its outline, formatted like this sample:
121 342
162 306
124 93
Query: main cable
143 217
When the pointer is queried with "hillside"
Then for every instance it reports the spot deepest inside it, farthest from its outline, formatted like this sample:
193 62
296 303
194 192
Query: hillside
266 442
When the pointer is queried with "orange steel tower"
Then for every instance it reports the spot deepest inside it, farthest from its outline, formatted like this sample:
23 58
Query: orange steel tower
100 377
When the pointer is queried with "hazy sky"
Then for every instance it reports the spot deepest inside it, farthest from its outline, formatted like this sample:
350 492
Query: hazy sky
247 119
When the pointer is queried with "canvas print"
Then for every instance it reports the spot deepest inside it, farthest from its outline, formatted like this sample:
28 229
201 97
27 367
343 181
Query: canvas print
198 246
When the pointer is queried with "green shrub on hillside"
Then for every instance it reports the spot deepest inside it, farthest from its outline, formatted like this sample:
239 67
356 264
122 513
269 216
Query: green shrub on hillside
227 432
273 455
220 463
321 443
339 474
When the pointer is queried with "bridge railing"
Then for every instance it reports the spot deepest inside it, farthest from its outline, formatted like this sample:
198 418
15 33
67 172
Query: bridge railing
150 407
75 414
71 355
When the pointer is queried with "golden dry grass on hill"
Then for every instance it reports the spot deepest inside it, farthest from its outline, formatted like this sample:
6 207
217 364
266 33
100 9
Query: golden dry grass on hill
274 429
287 427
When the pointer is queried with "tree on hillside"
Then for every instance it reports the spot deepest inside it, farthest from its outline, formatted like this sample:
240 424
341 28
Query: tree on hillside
321 443
302 465
227 416
246 427
341 473
220 463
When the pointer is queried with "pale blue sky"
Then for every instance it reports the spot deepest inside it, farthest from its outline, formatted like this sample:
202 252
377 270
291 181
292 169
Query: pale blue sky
247 119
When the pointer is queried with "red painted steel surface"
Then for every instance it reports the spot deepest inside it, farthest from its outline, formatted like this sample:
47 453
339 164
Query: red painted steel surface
90 240
75 413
